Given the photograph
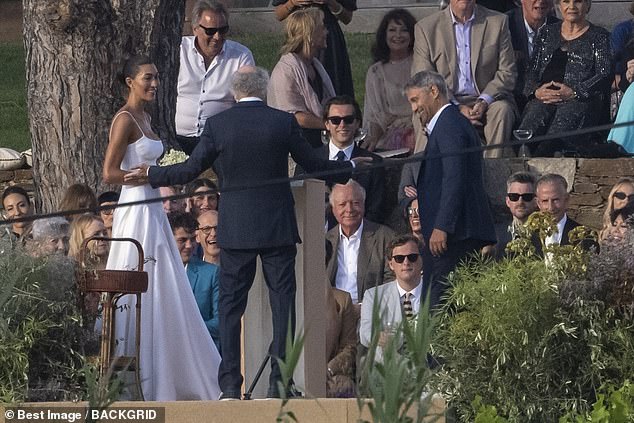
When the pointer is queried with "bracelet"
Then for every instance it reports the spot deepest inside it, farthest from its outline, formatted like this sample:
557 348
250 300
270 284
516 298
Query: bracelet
338 12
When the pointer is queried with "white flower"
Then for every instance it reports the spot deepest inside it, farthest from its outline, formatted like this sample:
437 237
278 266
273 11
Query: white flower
173 157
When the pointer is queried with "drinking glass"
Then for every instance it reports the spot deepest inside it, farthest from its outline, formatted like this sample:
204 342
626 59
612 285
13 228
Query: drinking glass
523 135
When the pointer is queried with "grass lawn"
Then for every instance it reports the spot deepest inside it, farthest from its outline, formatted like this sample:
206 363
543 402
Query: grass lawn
14 128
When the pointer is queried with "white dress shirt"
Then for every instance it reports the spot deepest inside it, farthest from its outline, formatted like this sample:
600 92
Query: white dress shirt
434 119
416 295
333 150
530 36
556 237
206 92
347 258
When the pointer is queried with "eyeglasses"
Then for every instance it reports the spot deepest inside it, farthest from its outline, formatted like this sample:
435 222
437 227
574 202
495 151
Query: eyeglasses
412 211
107 212
622 196
513 196
212 31
336 120
207 229
412 258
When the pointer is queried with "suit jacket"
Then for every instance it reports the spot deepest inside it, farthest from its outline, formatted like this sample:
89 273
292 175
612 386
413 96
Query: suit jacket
372 267
341 333
492 58
373 181
451 194
519 38
249 145
203 278
390 309
586 244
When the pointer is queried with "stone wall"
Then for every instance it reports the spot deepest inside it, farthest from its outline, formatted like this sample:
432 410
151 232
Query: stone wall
589 180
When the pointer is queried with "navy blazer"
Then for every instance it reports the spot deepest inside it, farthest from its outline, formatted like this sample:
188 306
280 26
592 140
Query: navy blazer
203 278
249 145
451 195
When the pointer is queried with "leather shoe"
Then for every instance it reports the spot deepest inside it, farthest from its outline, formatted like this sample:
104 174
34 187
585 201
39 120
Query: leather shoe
230 396
291 392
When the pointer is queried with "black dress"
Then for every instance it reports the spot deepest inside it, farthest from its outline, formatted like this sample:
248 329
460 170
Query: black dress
335 57
583 64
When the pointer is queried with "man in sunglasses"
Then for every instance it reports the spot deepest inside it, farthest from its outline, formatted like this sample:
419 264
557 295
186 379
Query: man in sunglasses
399 299
520 199
342 119
207 62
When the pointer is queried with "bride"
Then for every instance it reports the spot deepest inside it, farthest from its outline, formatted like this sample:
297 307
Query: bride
178 358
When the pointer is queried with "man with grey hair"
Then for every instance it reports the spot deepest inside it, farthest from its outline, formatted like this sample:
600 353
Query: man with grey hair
250 82
247 145
452 204
207 62
357 244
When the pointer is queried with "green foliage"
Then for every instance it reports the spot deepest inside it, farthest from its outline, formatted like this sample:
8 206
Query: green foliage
101 392
293 352
396 375
612 406
533 340
42 340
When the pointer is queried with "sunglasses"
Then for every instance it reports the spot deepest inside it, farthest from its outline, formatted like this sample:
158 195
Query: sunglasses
412 210
336 120
622 196
412 258
513 196
212 31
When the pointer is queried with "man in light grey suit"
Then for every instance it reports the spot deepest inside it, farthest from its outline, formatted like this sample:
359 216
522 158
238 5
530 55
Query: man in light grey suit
358 245
400 298
470 46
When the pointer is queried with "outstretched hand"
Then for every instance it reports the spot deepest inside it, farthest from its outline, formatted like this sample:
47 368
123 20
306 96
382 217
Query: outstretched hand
137 176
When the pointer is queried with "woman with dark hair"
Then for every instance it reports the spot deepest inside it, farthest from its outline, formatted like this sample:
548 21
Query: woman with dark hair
387 116
335 54
568 80
15 204
179 360
299 83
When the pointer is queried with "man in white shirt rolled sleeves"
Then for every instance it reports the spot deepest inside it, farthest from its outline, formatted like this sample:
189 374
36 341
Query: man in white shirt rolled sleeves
207 63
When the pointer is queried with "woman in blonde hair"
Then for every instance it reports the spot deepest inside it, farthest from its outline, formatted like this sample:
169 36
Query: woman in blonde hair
299 83
86 226
621 194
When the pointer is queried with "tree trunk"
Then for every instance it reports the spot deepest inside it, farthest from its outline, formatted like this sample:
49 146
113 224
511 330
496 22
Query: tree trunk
74 51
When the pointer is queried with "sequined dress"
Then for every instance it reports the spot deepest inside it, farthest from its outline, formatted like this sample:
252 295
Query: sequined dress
587 71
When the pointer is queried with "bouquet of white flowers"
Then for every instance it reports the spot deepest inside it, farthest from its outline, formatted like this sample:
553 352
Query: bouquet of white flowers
173 157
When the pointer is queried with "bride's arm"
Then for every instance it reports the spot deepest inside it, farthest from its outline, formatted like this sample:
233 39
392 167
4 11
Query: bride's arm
117 145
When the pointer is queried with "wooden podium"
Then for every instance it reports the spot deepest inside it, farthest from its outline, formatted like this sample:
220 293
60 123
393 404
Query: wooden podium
310 375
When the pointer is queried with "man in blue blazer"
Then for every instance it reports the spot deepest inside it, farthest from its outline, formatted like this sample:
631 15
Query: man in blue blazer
203 277
248 146
453 207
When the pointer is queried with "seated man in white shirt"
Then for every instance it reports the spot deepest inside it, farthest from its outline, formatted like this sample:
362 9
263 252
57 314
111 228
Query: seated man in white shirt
207 62
358 245
399 299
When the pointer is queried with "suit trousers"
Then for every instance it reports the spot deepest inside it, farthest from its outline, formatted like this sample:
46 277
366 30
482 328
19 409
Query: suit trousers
436 269
236 278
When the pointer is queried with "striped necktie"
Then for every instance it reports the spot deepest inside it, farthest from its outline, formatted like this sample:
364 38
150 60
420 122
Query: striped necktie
408 312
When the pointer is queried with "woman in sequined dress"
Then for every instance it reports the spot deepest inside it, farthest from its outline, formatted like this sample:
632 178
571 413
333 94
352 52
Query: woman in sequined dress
568 80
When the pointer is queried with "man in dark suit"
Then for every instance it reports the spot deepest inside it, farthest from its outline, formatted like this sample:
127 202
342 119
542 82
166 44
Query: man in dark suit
524 23
342 118
453 207
357 244
247 145
553 197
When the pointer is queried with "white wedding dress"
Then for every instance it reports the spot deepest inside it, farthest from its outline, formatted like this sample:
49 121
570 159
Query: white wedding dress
179 360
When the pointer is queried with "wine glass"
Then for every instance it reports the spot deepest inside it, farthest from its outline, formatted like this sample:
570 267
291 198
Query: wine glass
523 135
360 136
